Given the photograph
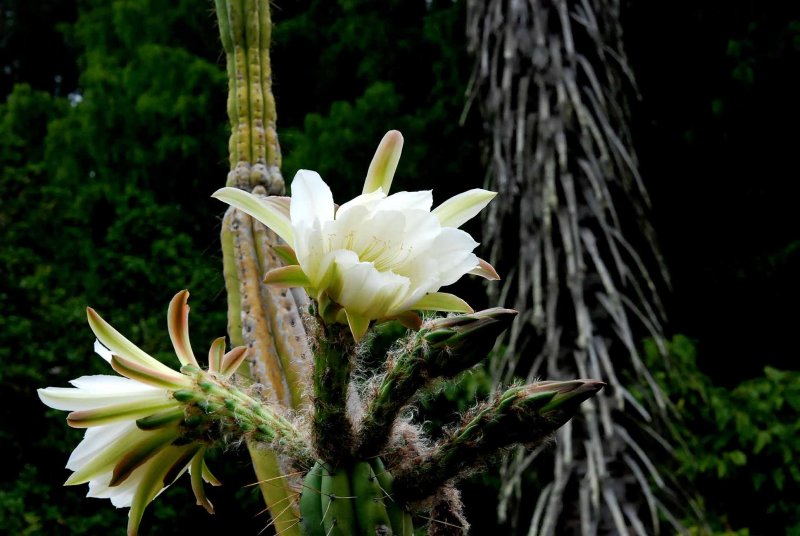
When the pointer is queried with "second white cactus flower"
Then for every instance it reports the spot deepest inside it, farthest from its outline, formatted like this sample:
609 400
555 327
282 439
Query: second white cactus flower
136 440
377 256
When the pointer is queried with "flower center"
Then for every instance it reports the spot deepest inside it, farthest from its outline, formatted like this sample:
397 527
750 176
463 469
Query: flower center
384 254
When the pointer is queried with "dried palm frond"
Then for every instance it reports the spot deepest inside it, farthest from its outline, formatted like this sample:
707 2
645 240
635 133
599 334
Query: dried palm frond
572 236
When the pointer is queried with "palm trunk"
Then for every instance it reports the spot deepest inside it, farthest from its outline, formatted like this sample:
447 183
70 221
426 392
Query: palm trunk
573 236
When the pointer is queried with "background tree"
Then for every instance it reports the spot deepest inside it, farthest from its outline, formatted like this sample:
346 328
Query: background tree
575 238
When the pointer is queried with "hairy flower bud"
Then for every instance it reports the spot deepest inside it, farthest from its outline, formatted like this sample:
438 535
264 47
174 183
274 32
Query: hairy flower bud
459 342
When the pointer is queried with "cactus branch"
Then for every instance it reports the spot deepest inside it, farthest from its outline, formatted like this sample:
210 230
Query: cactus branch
443 348
528 414
331 428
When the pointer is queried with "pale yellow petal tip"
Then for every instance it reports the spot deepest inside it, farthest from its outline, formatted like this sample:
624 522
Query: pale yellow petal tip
359 325
287 277
444 302
178 327
384 164
221 192
485 270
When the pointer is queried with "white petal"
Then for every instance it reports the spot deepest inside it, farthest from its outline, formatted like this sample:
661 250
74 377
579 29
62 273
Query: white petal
271 211
408 201
463 207
102 351
104 383
95 440
452 252
119 345
122 494
98 391
311 249
311 199
367 291
369 201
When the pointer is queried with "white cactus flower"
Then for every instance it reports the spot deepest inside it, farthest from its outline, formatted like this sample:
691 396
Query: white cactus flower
377 256
128 454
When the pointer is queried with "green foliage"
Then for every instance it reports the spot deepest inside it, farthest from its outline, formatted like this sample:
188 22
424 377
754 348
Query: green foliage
105 203
369 77
746 438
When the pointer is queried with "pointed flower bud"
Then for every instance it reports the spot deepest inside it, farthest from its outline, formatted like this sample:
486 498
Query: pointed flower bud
527 414
467 339
377 256
384 163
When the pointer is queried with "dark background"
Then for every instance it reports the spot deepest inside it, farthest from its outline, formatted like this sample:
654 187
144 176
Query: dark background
114 134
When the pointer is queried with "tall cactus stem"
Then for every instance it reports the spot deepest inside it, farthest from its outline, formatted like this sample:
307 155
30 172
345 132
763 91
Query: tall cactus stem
258 154
227 45
261 355
230 273
241 77
273 150
288 333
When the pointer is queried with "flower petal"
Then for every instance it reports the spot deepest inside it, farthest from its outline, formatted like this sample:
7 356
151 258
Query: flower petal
442 301
312 199
108 456
384 163
178 325
95 440
358 325
271 211
368 201
145 449
209 477
113 413
485 270
215 354
286 254
168 379
463 207
102 351
287 276
363 290
421 200
232 360
152 483
121 496
196 471
97 391
118 344
452 255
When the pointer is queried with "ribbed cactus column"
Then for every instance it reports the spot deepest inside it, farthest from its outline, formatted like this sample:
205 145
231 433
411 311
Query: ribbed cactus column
264 319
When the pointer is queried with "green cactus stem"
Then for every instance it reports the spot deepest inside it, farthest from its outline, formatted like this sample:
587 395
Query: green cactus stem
332 430
528 414
350 500
217 407
443 348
